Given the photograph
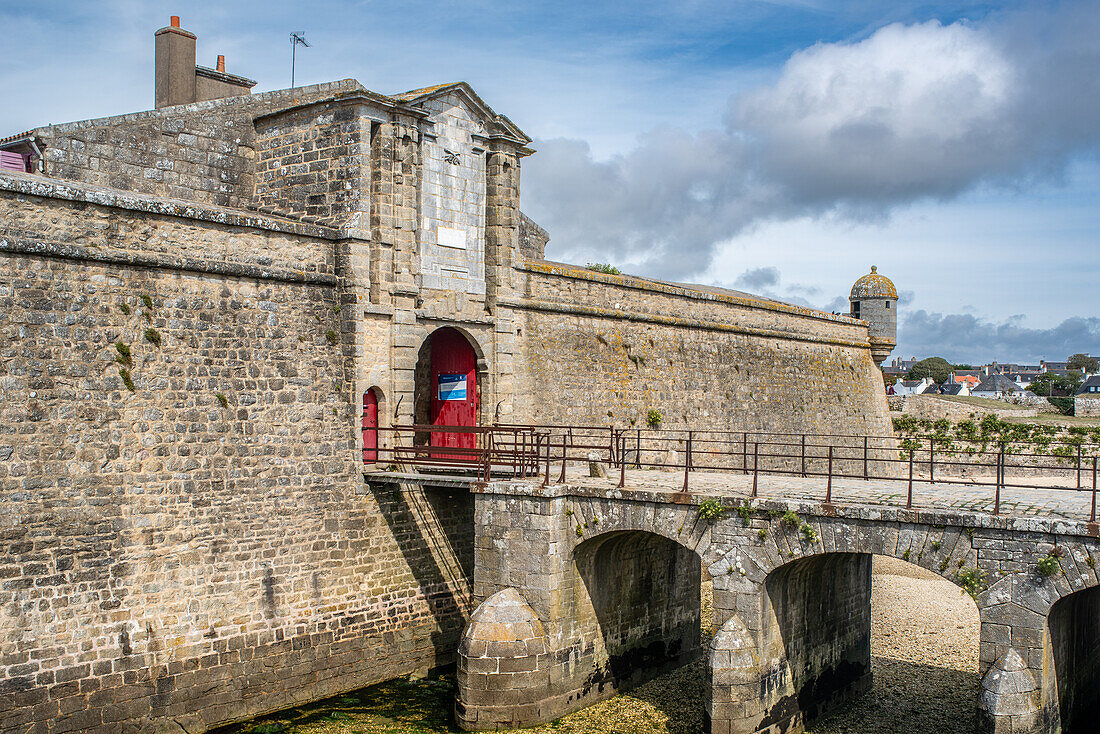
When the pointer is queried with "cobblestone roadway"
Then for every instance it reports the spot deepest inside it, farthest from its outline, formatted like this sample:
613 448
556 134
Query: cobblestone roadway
1054 502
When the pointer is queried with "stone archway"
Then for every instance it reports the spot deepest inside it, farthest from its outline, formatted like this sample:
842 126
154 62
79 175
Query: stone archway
635 611
1072 644
450 378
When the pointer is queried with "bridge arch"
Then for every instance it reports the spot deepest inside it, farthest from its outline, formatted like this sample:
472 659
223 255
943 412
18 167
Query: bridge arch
766 559
1041 638
636 609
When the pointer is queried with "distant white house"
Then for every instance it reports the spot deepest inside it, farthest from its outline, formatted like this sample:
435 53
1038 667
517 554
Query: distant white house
911 387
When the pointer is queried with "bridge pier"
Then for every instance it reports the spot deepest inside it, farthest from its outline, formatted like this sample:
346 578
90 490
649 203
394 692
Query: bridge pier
585 592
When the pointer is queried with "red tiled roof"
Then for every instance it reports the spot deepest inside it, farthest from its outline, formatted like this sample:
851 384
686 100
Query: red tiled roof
17 136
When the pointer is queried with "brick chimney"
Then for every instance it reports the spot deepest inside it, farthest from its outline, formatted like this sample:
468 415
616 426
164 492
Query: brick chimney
175 65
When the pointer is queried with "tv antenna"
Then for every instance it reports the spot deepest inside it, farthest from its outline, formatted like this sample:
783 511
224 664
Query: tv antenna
297 39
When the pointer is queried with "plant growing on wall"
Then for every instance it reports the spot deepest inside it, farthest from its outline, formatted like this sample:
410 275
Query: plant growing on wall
711 510
152 336
330 335
808 533
126 379
791 519
972 580
1048 565
745 511
124 357
653 418
604 268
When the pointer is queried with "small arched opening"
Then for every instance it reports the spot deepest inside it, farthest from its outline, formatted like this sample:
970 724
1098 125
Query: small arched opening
1072 668
638 610
449 379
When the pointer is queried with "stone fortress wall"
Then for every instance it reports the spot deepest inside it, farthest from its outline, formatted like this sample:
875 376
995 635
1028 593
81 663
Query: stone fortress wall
604 349
167 560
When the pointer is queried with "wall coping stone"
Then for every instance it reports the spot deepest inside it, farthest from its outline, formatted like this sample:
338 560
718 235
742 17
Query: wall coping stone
293 95
532 304
29 184
565 270
875 513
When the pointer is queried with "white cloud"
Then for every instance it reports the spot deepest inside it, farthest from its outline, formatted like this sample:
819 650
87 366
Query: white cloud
850 130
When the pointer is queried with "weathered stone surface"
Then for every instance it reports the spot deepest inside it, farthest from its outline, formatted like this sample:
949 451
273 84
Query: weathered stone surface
503 664
1009 697
792 597
202 548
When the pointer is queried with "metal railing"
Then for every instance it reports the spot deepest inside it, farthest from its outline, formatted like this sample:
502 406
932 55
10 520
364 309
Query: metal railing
545 451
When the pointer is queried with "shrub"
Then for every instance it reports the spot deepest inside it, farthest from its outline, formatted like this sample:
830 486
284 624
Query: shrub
711 510
1065 405
653 418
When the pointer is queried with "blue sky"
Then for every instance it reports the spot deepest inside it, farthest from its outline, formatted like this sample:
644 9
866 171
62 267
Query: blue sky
778 147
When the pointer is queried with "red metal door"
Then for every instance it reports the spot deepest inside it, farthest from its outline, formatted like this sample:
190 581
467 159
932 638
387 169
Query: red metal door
370 427
454 391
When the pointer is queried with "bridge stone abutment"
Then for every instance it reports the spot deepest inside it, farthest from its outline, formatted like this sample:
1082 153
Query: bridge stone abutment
584 592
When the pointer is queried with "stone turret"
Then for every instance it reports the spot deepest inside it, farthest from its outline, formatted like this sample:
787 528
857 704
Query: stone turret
874 300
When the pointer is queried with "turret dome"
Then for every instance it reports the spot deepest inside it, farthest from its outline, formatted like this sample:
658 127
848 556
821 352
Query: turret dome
873 285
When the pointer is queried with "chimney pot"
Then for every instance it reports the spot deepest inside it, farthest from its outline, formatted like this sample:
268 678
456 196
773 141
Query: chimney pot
221 62
175 21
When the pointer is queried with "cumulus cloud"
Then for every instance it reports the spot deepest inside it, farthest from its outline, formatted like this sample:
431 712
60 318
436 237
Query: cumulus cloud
854 129
758 278
966 338
767 282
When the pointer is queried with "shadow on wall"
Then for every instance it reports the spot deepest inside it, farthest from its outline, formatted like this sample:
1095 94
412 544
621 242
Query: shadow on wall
434 530
638 608
1074 629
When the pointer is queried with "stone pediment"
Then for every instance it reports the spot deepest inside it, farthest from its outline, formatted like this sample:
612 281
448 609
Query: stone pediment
496 125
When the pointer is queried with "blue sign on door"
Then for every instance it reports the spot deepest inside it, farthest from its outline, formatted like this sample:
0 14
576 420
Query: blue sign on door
452 387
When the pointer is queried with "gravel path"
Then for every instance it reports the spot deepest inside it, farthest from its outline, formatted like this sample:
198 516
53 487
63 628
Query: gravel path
924 639
924 642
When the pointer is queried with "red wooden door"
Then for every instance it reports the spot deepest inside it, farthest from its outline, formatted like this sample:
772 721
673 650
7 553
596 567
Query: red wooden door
454 391
370 427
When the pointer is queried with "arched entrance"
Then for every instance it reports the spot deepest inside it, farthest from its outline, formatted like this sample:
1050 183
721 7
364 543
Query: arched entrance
448 391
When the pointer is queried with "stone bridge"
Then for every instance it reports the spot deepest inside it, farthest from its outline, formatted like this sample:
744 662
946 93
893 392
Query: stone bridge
586 590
